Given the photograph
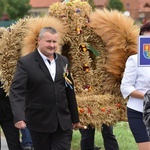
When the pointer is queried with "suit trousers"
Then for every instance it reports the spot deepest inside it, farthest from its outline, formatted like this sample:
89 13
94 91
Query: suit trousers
87 138
11 134
58 140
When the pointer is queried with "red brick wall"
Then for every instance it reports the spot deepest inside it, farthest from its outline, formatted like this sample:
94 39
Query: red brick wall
133 7
129 5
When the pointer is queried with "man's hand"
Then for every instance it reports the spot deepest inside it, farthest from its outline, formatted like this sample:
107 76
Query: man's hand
77 126
20 125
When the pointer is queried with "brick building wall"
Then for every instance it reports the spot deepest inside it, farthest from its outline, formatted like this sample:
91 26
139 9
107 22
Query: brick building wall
132 6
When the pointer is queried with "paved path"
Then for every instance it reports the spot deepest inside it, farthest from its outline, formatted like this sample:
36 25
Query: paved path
3 144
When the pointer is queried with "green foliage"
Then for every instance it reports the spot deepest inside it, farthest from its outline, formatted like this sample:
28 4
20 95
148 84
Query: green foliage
123 135
91 2
115 4
94 51
2 7
14 8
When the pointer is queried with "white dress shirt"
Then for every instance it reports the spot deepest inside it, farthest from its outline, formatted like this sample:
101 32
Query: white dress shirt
51 65
135 78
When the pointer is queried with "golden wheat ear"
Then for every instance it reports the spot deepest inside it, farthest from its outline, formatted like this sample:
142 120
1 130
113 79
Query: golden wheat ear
34 27
119 33
11 45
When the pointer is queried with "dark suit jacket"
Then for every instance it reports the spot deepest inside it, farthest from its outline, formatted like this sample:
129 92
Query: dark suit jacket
5 109
47 102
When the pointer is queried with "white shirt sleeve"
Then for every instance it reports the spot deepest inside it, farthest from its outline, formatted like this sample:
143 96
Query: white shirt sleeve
129 77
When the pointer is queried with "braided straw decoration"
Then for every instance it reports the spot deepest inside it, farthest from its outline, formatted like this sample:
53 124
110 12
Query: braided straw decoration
75 15
11 44
120 35
97 89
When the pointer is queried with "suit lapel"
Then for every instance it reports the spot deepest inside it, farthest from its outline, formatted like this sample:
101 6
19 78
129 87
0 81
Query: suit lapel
42 65
59 68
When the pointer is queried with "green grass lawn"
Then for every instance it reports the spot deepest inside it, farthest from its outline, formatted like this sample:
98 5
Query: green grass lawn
123 135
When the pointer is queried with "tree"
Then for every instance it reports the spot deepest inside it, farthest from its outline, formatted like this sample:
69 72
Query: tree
2 7
91 2
14 8
115 4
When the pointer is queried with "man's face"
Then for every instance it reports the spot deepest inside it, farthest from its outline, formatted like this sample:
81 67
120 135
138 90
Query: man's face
48 43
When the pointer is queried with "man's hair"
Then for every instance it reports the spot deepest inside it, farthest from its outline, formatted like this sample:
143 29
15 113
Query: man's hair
145 28
47 29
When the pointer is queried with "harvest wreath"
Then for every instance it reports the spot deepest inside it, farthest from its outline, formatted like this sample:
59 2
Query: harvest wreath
97 44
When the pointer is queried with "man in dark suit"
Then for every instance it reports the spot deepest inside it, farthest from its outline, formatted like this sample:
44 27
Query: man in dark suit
42 83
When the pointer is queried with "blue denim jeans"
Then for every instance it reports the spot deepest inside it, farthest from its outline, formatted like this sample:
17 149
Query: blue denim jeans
26 138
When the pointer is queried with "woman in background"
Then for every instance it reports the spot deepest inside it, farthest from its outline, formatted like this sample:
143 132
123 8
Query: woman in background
135 83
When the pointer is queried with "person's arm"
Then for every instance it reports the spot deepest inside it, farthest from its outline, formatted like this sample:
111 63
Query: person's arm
137 94
17 95
129 79
70 93
72 103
